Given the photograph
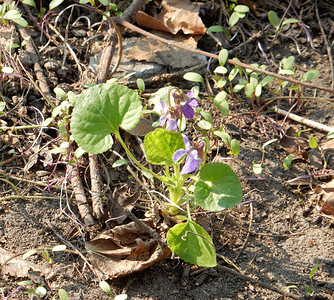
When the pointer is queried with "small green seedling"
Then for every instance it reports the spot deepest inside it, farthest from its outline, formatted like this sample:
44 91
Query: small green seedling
287 161
276 22
309 289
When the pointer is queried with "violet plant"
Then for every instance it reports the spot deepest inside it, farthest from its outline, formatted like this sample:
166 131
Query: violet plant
190 181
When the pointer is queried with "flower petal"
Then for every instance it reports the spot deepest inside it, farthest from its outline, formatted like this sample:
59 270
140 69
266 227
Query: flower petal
171 124
162 120
191 93
192 163
164 107
186 141
178 154
188 111
193 102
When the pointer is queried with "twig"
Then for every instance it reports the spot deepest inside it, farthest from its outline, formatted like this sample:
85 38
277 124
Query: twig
230 61
83 207
304 121
96 187
255 281
328 48
43 85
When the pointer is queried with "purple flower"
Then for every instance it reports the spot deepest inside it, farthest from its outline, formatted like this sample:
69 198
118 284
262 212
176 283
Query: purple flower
169 117
188 108
194 156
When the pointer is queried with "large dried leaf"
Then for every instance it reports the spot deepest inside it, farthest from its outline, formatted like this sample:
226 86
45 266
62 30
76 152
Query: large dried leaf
16 267
125 249
151 50
177 15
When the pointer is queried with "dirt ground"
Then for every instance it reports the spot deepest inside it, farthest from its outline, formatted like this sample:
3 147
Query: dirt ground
278 236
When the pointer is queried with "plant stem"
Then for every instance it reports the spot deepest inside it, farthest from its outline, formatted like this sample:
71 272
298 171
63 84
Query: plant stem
14 128
161 178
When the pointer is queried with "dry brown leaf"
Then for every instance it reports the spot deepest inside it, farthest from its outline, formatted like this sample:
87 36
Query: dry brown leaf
147 21
294 145
125 249
182 15
151 50
177 15
326 201
16 267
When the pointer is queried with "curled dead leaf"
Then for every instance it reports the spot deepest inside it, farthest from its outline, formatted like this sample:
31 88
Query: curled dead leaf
125 249
326 200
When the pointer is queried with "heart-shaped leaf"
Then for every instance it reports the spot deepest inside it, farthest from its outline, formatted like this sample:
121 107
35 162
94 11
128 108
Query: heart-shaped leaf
218 188
160 146
100 111
192 243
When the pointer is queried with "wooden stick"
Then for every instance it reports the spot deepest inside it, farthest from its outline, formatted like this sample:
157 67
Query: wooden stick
304 121
230 61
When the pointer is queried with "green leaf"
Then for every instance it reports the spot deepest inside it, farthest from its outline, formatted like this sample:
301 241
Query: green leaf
315 268
235 148
266 80
15 16
313 142
249 90
286 72
101 110
241 9
29 2
105 287
220 70
273 19
233 73
54 3
218 187
234 19
119 162
310 75
309 290
216 28
289 21
192 243
62 294
79 152
29 253
104 2
287 62
8 70
140 85
160 146
25 282
194 77
221 83
258 90
257 168
207 116
60 93
223 56
59 248
220 101
204 125
330 135
287 161
41 291
224 136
